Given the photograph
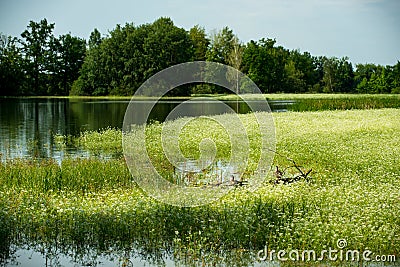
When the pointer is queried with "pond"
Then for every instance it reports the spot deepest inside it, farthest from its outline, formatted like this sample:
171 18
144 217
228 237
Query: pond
28 125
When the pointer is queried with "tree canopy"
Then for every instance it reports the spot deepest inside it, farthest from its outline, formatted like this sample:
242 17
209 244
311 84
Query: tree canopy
117 63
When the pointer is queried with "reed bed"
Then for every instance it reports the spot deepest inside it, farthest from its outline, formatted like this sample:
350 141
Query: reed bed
345 103
319 102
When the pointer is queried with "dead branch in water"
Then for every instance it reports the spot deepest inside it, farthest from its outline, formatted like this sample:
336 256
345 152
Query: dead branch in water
280 176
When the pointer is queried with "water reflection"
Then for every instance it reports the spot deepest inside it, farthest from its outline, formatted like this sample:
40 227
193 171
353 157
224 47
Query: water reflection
60 255
194 173
28 125
134 258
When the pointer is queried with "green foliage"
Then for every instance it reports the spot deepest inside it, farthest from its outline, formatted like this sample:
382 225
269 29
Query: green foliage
38 56
107 140
92 204
338 75
377 79
117 64
346 103
68 61
221 46
265 64
95 39
200 42
11 71
294 78
40 63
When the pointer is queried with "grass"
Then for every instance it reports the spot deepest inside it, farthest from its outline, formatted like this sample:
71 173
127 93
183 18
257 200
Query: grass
91 204
288 96
345 103
329 96
319 102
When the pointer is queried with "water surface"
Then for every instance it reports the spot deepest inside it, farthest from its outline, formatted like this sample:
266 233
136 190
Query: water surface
28 125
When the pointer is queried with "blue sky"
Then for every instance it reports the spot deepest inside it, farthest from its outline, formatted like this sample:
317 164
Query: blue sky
366 31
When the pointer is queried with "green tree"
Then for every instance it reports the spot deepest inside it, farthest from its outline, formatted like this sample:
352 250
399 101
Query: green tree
200 42
345 75
11 72
70 55
362 76
306 67
294 79
373 79
329 79
95 39
394 78
265 64
378 81
38 55
338 75
221 46
92 78
235 60
254 56
167 45
130 55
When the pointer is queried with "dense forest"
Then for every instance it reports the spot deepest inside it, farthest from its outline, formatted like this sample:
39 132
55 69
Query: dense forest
117 63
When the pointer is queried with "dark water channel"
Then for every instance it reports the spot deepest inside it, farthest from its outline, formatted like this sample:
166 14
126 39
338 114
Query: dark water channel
28 125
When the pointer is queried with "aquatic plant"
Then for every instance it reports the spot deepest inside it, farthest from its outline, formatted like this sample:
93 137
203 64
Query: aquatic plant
92 204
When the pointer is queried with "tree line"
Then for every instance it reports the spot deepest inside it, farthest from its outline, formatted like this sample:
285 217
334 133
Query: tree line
39 63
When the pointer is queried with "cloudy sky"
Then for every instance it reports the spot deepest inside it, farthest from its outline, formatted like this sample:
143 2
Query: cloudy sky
366 31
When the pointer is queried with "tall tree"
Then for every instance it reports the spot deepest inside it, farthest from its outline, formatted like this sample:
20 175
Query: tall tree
200 42
38 54
95 38
221 46
306 67
330 74
11 72
294 79
345 76
235 60
265 64
338 75
167 45
70 55
394 78
120 63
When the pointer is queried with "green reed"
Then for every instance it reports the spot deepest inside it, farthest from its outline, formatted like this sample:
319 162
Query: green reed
345 103
81 175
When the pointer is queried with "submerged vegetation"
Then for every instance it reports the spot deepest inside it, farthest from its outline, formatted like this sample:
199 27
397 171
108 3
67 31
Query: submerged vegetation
93 207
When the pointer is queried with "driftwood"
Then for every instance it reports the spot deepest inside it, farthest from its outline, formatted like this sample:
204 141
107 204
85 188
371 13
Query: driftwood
280 176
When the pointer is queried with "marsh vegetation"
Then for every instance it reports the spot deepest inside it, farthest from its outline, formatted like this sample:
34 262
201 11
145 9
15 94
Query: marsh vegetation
91 208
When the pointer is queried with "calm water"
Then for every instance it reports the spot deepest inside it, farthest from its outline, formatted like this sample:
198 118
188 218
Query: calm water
28 126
